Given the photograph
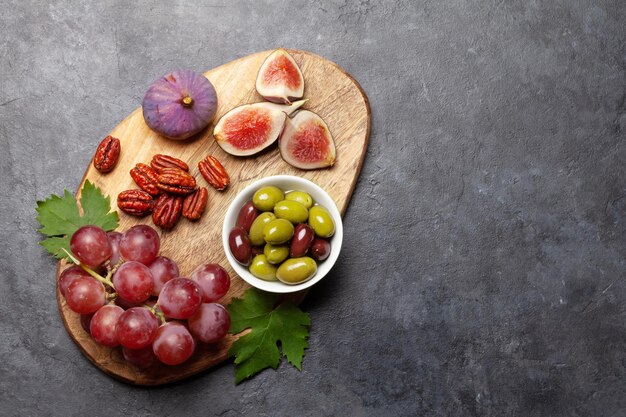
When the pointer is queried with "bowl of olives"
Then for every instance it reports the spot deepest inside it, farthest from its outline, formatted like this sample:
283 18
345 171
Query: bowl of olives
282 234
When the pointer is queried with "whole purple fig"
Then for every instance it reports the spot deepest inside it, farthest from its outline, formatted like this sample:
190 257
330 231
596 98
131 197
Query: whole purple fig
179 104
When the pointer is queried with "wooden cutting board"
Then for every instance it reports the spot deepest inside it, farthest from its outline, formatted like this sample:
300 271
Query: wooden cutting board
332 93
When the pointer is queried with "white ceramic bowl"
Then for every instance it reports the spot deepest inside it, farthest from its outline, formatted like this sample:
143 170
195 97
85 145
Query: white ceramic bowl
286 183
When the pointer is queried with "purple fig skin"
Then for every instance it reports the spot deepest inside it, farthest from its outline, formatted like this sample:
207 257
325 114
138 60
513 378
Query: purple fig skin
180 104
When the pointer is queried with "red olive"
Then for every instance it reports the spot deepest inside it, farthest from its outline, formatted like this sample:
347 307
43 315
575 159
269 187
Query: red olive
240 245
302 239
320 249
257 250
246 216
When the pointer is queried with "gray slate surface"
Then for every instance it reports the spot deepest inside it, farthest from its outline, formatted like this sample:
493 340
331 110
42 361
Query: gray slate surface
483 274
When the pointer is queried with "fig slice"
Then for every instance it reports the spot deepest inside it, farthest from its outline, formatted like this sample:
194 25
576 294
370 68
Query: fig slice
248 129
306 142
280 79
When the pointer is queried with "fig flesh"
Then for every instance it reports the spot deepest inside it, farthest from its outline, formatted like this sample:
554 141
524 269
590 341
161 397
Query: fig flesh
279 79
306 142
248 129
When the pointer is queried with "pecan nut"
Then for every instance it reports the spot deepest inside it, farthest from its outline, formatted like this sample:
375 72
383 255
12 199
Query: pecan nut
146 178
107 154
195 203
136 202
160 162
214 173
176 181
167 211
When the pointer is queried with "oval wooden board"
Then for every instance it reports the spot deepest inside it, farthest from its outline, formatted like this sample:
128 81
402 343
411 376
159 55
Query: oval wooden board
331 92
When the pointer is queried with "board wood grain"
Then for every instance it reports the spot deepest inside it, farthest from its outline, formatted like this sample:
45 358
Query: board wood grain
331 92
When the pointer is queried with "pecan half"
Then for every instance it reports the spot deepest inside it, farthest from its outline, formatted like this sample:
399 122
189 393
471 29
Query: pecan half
146 178
136 202
195 203
176 181
167 211
160 162
214 173
107 154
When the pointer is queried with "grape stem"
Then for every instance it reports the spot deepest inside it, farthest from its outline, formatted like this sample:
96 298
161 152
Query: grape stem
111 269
161 316
105 280
158 314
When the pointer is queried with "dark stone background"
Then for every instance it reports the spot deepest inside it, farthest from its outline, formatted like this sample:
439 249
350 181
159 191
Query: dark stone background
483 273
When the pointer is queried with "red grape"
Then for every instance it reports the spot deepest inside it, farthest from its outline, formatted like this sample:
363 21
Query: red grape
214 281
136 328
210 323
125 304
69 275
173 343
142 358
140 243
85 295
133 282
103 323
114 239
180 298
85 321
163 269
91 246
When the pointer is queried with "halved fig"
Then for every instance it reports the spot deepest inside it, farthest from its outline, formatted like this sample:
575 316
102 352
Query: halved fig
279 79
248 129
306 142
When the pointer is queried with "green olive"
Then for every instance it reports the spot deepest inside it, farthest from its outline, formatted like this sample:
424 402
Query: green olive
278 231
256 230
296 270
265 198
275 254
301 197
321 221
292 211
262 269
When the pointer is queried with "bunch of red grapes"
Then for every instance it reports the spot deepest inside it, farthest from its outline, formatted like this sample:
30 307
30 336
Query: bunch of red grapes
141 302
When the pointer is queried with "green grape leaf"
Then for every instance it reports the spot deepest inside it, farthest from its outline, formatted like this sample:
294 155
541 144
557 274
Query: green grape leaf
58 214
60 217
97 208
55 246
269 325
